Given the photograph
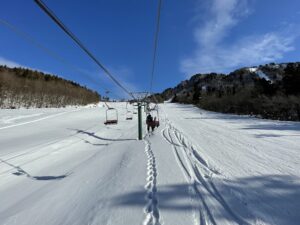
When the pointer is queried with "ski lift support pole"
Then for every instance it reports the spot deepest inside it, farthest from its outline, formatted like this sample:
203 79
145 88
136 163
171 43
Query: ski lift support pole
140 104
140 130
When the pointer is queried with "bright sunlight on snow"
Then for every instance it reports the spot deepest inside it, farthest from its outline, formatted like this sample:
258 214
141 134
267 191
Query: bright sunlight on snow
64 166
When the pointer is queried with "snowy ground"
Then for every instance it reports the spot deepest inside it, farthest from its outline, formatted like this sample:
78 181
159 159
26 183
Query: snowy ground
64 166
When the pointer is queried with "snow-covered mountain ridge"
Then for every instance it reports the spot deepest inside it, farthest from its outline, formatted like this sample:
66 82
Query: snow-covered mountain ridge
270 91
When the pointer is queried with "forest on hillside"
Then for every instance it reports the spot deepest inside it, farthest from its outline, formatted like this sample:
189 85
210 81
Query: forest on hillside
20 87
271 91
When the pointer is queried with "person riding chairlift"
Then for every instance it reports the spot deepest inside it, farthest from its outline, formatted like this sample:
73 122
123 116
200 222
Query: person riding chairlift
150 122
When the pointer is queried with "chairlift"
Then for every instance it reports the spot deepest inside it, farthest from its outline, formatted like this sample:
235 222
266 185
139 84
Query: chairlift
135 109
111 116
128 113
147 108
155 122
156 109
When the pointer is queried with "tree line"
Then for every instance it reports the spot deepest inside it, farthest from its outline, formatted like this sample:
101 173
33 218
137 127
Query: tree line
276 95
21 87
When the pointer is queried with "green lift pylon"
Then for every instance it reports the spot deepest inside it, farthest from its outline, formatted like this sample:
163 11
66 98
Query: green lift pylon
140 129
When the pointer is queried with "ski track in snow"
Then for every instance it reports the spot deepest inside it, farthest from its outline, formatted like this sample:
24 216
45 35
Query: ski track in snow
151 210
40 151
36 154
37 120
199 174
9 120
208 193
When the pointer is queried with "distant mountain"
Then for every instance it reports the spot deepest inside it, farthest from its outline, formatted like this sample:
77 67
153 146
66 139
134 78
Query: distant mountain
21 87
269 91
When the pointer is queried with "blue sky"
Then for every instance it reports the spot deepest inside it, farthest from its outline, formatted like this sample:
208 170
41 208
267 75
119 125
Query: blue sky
196 36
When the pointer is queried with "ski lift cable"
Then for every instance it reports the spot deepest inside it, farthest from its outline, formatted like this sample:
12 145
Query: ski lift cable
155 43
51 14
140 96
27 37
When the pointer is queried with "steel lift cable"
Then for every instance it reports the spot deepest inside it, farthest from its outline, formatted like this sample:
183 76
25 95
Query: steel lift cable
154 58
51 14
155 44
49 52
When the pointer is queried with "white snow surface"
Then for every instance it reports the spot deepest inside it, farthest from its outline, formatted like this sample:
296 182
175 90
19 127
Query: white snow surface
64 166
252 69
261 74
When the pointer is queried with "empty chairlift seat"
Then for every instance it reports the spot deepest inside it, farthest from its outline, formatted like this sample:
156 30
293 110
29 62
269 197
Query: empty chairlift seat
111 116
129 115
135 109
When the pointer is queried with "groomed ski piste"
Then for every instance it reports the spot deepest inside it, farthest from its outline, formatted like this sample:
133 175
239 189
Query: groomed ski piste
64 166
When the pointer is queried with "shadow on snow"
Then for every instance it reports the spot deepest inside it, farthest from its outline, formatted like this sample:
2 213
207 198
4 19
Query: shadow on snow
21 172
92 134
271 199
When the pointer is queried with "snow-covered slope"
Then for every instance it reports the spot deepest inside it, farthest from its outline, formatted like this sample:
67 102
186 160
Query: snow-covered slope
64 166
258 72
243 170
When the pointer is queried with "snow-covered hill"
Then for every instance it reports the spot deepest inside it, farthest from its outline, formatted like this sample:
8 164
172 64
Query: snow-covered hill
23 87
64 166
